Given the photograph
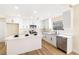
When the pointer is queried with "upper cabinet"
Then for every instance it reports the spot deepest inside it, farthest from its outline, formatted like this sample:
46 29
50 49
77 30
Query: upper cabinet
58 23
47 24
67 20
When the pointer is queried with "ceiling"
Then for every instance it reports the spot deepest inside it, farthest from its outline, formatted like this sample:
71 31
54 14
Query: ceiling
29 11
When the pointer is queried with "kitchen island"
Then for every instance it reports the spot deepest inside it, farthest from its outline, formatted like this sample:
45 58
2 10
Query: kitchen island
22 44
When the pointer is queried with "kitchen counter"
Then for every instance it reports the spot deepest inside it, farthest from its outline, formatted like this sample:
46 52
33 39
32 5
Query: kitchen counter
20 37
50 33
22 44
51 38
67 36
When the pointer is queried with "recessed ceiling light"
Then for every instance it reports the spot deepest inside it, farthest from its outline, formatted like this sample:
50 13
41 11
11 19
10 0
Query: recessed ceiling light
35 12
31 17
16 7
19 15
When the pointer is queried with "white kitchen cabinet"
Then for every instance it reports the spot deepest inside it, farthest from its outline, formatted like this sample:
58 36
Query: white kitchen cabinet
67 20
54 40
50 38
22 44
45 24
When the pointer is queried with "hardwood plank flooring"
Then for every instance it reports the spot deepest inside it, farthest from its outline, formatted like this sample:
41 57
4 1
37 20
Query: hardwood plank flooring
2 48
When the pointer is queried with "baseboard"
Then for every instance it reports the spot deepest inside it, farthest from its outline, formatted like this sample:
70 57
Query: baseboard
76 51
28 51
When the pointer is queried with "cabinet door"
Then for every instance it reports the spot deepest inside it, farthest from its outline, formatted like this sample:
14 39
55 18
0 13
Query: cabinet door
67 19
53 40
45 24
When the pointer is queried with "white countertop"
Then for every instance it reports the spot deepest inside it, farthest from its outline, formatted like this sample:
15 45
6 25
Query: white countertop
65 36
60 33
50 33
20 37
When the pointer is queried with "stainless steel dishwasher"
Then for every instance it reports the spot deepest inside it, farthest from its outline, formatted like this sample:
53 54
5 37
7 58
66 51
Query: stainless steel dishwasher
61 43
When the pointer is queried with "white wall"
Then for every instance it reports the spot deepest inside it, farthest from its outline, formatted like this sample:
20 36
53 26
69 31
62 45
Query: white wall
76 29
12 29
18 20
26 23
2 29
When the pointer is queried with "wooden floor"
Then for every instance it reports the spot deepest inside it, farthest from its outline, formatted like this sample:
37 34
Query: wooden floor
2 48
46 49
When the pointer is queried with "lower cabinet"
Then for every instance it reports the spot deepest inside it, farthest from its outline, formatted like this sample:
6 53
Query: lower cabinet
50 39
64 43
